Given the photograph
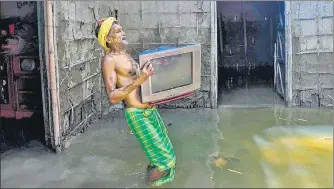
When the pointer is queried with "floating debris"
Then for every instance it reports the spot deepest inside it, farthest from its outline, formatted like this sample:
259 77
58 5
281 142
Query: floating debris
221 161
327 138
234 171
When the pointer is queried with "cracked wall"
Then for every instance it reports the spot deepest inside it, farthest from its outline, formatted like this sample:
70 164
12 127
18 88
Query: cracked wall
312 54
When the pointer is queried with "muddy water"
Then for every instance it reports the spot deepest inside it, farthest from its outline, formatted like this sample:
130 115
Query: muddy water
107 156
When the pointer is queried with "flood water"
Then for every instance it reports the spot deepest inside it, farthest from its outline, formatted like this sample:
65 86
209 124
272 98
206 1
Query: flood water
107 156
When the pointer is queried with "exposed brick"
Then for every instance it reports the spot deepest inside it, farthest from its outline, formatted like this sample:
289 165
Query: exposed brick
76 42
76 94
309 43
94 66
132 36
168 6
83 12
327 96
188 19
206 53
190 35
77 74
130 7
308 27
104 10
198 6
64 106
205 6
307 81
71 55
170 35
312 73
85 49
61 54
305 63
130 20
326 80
61 7
65 30
205 83
150 7
185 6
326 26
150 20
325 8
325 63
204 20
309 98
306 9
63 84
169 20
326 42
150 35
71 10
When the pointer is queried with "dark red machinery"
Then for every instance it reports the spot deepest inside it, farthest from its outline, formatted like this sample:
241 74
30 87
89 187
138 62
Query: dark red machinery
20 84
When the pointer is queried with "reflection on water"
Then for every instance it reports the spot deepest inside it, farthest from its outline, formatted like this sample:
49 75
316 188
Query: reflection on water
297 157
276 147
252 147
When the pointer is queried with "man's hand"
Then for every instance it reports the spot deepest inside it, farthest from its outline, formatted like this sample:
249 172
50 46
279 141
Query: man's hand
146 71
147 105
148 68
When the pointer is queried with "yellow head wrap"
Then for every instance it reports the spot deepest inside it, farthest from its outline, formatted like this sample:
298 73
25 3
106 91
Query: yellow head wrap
104 31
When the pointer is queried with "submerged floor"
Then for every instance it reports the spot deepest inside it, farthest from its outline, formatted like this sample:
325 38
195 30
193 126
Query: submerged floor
107 156
259 95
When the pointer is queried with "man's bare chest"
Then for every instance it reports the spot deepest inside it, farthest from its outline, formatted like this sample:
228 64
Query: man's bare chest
127 66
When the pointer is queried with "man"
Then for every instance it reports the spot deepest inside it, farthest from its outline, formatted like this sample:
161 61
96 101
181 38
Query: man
123 78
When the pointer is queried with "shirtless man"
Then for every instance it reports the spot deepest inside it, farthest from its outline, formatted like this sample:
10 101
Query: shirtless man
123 78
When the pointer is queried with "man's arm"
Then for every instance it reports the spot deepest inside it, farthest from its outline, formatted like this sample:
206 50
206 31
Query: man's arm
110 79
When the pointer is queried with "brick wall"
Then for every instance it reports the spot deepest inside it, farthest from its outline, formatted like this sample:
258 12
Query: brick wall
150 24
78 58
312 53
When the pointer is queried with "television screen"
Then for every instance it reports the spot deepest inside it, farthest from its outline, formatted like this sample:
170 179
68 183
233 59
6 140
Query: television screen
172 72
177 73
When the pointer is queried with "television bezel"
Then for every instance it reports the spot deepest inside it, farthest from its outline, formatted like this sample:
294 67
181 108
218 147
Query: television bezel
146 87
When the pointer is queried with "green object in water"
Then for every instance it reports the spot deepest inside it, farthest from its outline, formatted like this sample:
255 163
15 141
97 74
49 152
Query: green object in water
149 129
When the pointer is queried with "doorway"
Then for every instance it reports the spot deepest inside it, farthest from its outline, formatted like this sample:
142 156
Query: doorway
250 52
21 107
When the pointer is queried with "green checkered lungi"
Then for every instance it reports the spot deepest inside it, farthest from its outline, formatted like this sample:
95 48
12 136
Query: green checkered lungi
148 127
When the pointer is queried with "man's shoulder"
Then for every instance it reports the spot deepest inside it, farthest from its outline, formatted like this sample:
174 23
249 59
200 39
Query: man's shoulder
113 58
109 59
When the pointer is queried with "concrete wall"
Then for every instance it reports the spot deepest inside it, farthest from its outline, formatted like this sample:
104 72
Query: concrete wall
78 57
312 53
148 24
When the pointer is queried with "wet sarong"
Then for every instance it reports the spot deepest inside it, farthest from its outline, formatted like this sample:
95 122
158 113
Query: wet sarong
148 127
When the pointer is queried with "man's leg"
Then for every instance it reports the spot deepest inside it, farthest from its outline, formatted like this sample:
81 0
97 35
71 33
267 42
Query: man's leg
150 131
154 174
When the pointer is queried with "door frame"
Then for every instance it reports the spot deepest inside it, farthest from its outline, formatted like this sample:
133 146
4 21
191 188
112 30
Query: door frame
44 69
213 52
288 55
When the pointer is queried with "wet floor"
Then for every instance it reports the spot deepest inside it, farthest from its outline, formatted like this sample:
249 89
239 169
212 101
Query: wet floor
107 156
250 96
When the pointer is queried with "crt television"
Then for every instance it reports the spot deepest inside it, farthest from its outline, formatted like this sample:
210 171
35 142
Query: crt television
177 73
